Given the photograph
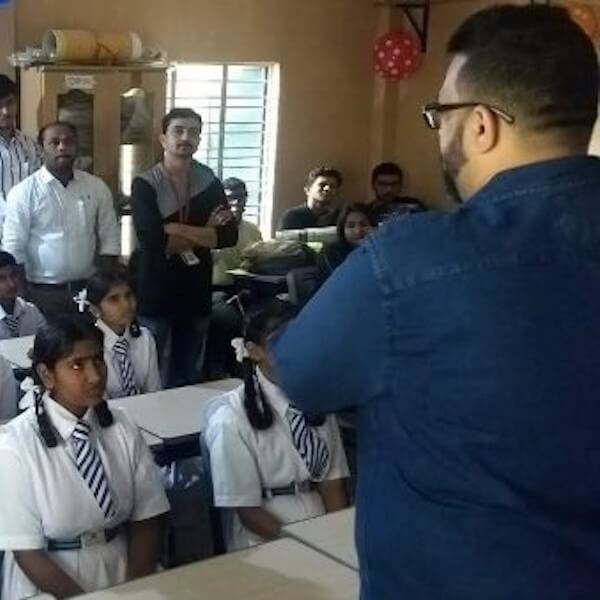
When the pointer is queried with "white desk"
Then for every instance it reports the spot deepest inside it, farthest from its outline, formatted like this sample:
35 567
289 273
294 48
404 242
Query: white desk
281 570
169 414
16 350
332 535
225 385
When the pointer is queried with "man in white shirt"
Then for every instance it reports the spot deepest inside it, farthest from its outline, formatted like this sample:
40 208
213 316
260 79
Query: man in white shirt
17 316
58 221
20 155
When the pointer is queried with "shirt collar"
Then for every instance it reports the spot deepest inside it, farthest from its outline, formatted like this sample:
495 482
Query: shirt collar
18 310
275 396
63 420
47 177
110 337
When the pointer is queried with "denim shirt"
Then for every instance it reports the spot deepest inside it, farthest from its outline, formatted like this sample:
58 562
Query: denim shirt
470 344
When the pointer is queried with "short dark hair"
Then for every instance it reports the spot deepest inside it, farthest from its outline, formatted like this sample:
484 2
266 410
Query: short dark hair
45 128
317 172
179 113
235 185
533 62
100 284
7 86
356 207
6 259
386 168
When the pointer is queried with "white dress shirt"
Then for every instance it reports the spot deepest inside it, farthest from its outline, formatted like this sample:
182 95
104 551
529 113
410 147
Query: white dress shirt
143 357
56 230
244 461
45 496
19 157
8 391
29 316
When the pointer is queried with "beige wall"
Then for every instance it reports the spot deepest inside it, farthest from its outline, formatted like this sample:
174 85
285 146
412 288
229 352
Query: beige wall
323 47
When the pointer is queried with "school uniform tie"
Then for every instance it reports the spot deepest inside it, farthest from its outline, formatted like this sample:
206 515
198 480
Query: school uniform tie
312 448
121 352
12 323
90 466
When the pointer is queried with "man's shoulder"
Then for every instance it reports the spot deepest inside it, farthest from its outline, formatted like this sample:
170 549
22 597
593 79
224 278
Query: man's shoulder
90 180
22 189
153 176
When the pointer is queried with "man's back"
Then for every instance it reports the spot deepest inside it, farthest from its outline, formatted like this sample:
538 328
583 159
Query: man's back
479 453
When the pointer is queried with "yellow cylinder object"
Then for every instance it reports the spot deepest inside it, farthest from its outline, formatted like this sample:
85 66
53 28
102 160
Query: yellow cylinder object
71 45
114 48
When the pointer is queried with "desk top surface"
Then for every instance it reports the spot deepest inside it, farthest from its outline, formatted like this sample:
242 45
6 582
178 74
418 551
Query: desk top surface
15 350
284 569
332 534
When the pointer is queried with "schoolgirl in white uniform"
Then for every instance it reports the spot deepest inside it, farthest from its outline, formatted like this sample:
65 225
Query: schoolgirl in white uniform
271 465
129 350
81 495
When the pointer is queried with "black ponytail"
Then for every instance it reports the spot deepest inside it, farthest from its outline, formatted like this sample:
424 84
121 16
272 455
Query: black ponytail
54 341
258 327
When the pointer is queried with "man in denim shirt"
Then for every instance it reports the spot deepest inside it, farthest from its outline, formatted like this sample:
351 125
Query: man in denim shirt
470 342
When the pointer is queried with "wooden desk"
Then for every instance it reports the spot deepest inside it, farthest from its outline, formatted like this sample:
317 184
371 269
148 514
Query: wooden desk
281 570
172 415
332 535
15 350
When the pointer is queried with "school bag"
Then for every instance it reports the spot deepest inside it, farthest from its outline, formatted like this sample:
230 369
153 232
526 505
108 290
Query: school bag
277 257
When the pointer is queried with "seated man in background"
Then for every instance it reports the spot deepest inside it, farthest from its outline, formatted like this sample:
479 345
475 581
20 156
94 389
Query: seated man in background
17 317
387 181
322 188
226 320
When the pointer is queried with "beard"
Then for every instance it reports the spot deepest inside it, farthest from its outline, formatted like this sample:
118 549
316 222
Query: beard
453 160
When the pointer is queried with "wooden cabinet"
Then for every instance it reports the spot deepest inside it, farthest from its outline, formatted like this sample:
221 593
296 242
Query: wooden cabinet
117 111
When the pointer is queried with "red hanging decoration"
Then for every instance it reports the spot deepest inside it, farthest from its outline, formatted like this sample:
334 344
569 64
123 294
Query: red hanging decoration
397 55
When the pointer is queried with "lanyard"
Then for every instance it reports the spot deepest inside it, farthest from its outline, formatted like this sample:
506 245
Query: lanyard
183 203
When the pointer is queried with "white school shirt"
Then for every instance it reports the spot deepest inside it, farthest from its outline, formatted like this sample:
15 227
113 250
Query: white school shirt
143 357
56 231
8 392
244 460
44 495
19 157
29 316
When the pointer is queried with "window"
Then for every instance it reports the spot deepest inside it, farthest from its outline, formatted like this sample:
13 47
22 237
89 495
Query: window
238 105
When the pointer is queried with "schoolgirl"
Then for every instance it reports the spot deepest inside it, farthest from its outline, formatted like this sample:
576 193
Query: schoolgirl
81 496
129 350
271 465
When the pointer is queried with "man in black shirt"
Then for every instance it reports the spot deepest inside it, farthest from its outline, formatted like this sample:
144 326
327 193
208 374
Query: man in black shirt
180 213
387 180
322 187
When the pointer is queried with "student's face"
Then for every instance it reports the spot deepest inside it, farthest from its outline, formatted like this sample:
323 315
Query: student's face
8 112
77 381
9 283
320 196
60 148
356 228
387 187
117 308
236 202
182 137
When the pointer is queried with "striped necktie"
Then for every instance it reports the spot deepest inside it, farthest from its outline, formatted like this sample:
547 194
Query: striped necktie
12 323
90 466
312 448
121 352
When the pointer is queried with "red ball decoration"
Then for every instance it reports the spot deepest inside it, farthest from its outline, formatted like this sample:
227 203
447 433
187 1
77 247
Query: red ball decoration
397 55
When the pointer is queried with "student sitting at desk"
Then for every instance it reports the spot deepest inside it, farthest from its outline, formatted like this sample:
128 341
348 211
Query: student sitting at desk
17 317
271 464
81 496
129 350
353 226
8 391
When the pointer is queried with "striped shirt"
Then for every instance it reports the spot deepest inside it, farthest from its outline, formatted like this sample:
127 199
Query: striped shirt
19 157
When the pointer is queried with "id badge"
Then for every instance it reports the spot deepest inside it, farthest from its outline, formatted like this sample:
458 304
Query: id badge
189 258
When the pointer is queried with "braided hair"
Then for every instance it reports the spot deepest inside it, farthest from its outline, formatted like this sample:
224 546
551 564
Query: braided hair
259 325
55 341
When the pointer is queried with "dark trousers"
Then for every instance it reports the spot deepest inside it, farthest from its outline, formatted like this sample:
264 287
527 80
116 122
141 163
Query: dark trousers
55 300
180 341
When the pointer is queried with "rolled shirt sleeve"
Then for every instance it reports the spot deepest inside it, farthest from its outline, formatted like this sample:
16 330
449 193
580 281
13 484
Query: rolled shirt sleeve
109 234
17 221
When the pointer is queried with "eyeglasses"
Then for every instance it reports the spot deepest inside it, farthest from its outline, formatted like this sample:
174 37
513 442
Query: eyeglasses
431 112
